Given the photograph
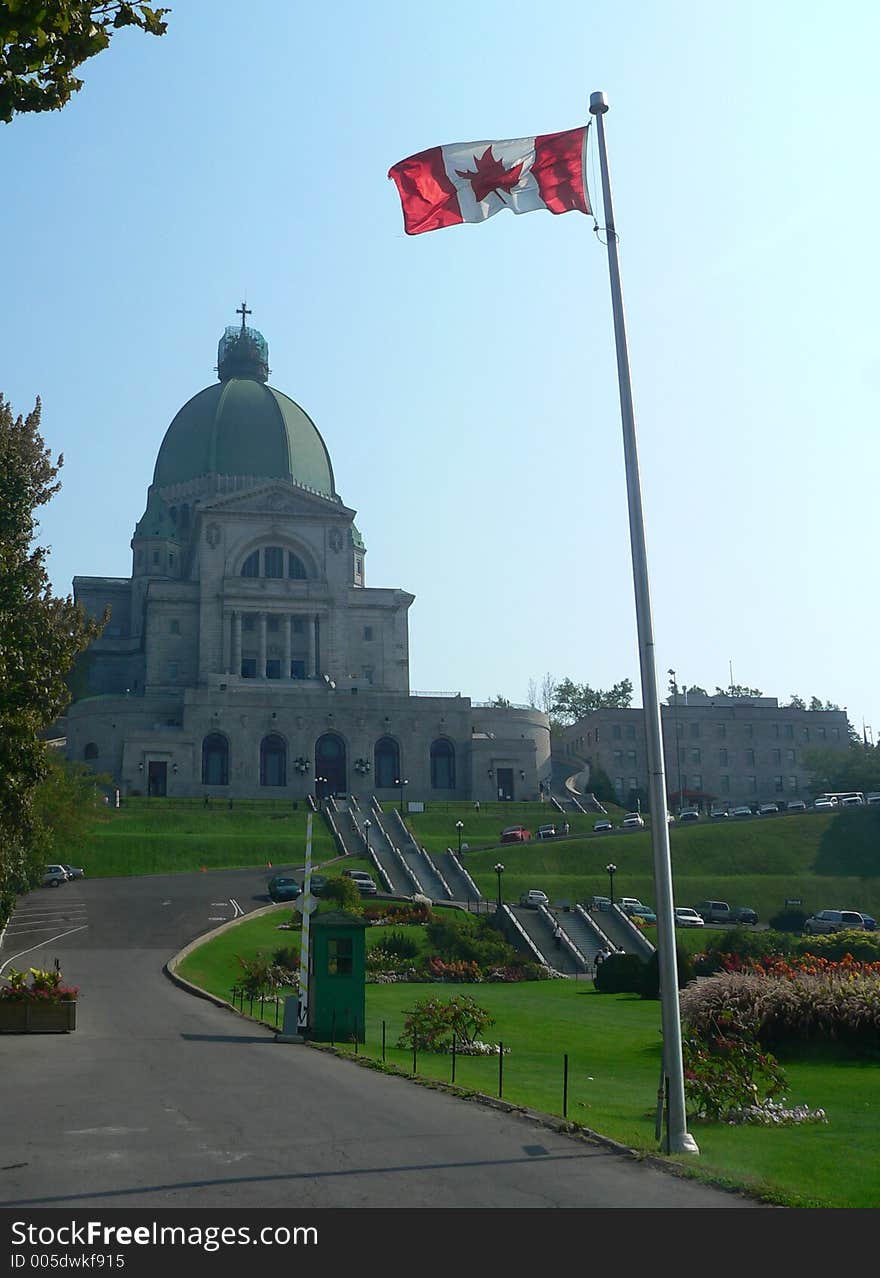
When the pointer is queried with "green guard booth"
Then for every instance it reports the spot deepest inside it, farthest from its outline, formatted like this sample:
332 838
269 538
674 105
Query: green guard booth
337 997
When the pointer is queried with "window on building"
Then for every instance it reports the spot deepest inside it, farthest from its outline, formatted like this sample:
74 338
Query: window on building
822 734
91 751
789 730
633 784
386 763
273 760
442 765
806 733
248 621
155 556
750 756
368 633
296 568
618 757
752 785
175 627
777 785
170 558
749 729
297 670
340 956
697 781
835 734
790 756
777 756
616 731
359 566
696 756
694 729
722 758
215 760
679 729
682 754
776 729
251 566
722 729
273 668
273 561
172 669
631 757
618 785
248 667
725 785
630 732
793 785
367 674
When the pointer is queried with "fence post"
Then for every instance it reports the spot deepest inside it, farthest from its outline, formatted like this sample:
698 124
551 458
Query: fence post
565 1086
500 1071
414 1053
453 1058
383 1041
333 1029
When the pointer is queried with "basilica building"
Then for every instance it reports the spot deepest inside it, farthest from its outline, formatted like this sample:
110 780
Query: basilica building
246 656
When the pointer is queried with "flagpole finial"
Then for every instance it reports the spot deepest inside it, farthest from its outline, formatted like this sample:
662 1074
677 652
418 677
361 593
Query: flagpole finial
598 103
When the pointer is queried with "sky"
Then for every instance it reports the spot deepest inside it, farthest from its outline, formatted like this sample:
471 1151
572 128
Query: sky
465 380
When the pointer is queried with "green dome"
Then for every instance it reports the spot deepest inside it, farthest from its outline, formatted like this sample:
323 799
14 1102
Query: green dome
242 426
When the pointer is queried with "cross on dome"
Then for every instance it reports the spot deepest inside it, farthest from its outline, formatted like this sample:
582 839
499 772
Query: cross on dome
243 311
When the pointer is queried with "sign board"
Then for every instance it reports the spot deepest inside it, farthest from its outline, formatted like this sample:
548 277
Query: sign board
791 902
415 806
306 904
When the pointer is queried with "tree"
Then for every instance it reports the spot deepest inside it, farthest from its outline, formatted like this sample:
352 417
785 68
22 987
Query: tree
832 771
65 803
797 703
44 44
573 701
39 637
738 690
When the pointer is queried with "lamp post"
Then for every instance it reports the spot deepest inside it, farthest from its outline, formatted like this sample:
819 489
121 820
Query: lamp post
401 783
499 870
611 870
459 825
321 782
367 836
675 726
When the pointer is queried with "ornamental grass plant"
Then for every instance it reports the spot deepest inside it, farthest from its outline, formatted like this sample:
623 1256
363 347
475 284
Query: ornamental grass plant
37 986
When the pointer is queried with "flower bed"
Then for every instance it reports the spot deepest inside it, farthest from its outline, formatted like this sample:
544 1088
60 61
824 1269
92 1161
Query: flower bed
41 1005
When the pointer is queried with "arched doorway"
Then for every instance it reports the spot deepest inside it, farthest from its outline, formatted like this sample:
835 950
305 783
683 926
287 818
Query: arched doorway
330 764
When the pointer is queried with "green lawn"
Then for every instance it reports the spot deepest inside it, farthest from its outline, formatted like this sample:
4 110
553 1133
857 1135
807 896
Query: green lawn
613 1048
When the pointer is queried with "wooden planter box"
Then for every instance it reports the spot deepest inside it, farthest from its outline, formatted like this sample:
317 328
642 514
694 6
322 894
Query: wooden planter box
25 1017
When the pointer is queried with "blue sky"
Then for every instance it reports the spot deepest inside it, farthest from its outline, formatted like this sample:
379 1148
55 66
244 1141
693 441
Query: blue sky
465 380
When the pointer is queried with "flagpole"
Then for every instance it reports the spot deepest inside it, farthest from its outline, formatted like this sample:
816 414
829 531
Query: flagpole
680 1141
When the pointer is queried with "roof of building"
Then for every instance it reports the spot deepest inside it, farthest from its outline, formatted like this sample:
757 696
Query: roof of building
242 426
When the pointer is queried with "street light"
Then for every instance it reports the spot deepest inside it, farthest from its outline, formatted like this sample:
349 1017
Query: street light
320 782
499 870
401 783
675 725
611 870
459 825
367 836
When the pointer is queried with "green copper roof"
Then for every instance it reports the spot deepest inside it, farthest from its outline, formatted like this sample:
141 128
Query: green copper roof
241 426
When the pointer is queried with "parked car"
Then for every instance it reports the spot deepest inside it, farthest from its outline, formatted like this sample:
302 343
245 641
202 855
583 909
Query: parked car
713 911
871 799
365 883
73 871
633 821
643 912
54 876
283 888
852 801
767 809
719 812
833 921
600 902
515 834
742 811
546 832
534 897
317 883
743 914
685 917
599 827
823 805
626 901
796 805
689 814
870 923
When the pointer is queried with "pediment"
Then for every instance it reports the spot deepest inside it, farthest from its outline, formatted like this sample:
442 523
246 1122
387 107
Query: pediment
277 499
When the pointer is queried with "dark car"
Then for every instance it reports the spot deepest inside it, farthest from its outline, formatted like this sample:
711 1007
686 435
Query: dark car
73 871
689 814
283 888
317 884
515 834
743 914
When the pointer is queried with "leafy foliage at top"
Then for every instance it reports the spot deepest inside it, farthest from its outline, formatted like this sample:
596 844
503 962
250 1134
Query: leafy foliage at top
44 44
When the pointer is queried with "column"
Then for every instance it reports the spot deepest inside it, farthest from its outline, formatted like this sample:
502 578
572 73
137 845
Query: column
261 660
311 672
236 643
288 651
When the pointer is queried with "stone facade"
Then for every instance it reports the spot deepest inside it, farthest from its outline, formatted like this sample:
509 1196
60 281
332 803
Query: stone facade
719 751
246 656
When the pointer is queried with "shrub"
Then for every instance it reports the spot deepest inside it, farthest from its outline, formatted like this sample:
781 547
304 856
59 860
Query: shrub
649 986
399 945
432 1023
260 974
472 940
619 974
344 893
788 921
287 958
864 946
453 969
725 1069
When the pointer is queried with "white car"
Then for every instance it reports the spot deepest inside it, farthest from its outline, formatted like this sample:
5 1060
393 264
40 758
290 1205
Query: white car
685 917
767 809
600 826
796 805
633 821
823 805
742 811
534 897
54 876
365 883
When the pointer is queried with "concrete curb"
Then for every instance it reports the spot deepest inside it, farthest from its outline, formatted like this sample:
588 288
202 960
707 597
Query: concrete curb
170 967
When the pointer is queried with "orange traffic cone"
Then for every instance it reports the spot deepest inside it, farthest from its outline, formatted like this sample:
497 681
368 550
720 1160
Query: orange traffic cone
268 865
204 869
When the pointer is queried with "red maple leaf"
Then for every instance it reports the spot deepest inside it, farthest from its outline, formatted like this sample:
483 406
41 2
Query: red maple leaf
490 175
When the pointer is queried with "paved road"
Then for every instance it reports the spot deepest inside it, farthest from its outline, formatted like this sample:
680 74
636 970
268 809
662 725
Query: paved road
162 1100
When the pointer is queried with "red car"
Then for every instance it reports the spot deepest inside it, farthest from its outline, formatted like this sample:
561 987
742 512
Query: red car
515 834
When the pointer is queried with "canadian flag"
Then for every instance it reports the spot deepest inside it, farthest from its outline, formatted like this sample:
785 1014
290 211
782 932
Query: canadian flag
471 181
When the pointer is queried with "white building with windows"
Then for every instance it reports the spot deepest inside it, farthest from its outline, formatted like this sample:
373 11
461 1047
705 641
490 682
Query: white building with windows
246 656
719 751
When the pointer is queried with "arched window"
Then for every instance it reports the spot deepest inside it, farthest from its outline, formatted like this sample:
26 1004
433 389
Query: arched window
442 765
215 760
251 566
91 751
386 765
330 763
273 760
296 568
273 561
